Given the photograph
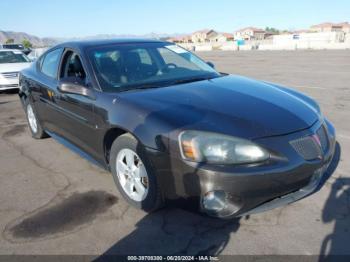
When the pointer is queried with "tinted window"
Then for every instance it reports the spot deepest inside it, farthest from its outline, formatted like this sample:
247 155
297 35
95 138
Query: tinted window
144 56
72 66
50 63
171 57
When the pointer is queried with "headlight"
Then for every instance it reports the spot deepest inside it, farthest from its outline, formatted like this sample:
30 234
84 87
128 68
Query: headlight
215 148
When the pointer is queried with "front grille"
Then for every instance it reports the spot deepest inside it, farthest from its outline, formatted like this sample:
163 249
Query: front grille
312 147
307 148
10 74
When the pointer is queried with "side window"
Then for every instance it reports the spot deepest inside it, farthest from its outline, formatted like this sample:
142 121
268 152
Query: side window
72 66
49 65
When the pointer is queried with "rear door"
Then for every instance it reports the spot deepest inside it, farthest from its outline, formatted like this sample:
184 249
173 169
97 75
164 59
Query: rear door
44 90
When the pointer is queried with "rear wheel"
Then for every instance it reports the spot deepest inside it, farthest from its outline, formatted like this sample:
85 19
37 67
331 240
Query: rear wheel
33 122
133 174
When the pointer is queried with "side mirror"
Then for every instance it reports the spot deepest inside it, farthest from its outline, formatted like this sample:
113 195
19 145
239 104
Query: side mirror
211 64
71 85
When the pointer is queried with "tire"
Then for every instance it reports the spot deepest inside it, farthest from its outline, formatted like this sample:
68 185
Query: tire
33 121
150 201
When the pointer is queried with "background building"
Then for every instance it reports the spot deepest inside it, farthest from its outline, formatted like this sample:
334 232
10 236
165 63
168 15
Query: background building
250 33
203 36
321 36
331 27
222 37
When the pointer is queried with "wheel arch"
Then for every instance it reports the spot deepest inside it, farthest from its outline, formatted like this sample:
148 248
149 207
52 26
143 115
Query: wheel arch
144 137
110 136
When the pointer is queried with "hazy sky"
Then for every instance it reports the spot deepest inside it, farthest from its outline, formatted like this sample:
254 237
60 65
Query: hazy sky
69 18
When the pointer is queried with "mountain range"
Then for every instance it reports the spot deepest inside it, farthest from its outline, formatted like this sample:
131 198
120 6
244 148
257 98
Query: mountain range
18 37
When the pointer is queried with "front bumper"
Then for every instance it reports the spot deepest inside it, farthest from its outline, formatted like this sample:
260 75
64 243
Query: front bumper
315 180
284 179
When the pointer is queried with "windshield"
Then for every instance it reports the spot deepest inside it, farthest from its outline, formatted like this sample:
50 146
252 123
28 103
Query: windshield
146 65
13 57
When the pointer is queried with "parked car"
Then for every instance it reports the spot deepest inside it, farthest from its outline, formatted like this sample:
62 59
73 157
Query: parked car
36 53
11 62
20 47
170 127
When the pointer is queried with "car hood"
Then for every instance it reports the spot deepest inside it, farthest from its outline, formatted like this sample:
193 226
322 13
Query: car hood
231 105
13 67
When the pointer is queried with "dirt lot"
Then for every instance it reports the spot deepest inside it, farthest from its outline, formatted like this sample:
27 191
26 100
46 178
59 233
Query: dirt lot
52 201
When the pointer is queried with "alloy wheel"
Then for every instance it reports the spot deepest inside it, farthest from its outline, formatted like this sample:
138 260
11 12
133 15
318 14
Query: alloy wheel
32 119
132 175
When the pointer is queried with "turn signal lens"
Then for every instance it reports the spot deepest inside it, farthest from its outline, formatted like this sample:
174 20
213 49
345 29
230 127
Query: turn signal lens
188 150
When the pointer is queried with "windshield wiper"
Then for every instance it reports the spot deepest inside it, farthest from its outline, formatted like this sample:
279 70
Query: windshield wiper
166 83
190 80
142 86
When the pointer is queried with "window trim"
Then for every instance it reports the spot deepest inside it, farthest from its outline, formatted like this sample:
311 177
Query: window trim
60 66
42 58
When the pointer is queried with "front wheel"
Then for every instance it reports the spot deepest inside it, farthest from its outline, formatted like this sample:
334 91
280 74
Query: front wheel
133 174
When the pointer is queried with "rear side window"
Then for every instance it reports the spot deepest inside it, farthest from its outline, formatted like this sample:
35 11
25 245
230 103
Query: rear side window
49 65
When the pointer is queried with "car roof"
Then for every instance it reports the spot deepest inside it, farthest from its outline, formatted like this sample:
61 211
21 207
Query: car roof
90 43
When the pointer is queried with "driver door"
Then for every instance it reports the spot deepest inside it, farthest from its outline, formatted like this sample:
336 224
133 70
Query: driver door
79 125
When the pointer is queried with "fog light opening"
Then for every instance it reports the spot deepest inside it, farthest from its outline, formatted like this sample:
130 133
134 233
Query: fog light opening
214 201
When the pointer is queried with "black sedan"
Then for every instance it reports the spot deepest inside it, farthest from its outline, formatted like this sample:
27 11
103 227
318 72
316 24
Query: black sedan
170 127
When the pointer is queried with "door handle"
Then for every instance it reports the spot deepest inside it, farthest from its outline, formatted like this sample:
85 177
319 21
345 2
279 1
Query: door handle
59 94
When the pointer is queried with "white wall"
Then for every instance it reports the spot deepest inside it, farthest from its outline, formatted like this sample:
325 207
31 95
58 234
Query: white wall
306 38
317 41
322 40
229 46
347 38
197 46
313 46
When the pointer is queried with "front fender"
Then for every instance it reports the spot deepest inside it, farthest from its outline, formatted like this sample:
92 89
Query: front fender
311 102
147 126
